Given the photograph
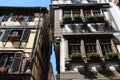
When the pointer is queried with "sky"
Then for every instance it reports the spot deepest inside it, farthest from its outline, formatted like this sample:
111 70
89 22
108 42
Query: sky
31 3
43 3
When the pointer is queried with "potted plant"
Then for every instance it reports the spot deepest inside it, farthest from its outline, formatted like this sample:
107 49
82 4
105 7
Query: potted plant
89 18
94 56
2 69
67 19
99 18
13 37
77 18
76 57
111 56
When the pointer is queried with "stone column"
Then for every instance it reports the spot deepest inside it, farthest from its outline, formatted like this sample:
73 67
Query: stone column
113 46
60 15
62 56
66 49
99 50
83 48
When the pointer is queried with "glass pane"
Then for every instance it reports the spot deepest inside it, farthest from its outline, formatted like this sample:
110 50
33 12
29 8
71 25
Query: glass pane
25 18
1 17
87 12
76 12
74 46
96 11
66 12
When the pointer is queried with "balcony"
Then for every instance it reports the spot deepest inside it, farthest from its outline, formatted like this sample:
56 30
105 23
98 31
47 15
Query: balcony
80 20
93 28
16 76
17 39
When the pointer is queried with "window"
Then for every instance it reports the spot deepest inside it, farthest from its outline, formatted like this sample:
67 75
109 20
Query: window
14 18
10 61
25 18
76 12
15 33
96 12
92 1
1 17
6 60
91 48
106 46
87 12
74 46
66 12
90 45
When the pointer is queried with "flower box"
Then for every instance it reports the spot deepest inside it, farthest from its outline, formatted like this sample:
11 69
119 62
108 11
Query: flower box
77 18
94 57
67 19
111 56
76 57
2 69
13 37
97 18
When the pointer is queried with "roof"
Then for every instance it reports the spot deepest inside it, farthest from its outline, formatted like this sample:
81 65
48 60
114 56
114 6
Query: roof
13 8
103 5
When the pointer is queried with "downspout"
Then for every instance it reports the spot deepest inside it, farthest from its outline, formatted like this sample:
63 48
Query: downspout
38 32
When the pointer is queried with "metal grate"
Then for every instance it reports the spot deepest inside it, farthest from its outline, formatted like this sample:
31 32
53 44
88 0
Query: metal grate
31 18
1 33
17 62
3 60
14 18
18 55
26 34
5 36
16 65
5 18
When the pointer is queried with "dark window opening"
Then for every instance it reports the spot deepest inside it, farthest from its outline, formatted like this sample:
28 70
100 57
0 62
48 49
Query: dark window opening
106 48
76 12
87 12
106 45
25 18
22 17
1 17
15 35
96 12
90 46
74 46
10 61
66 12
6 60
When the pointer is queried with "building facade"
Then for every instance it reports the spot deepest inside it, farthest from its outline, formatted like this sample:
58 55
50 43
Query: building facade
86 39
24 43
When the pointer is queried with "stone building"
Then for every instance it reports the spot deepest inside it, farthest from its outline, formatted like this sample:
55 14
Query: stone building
86 39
